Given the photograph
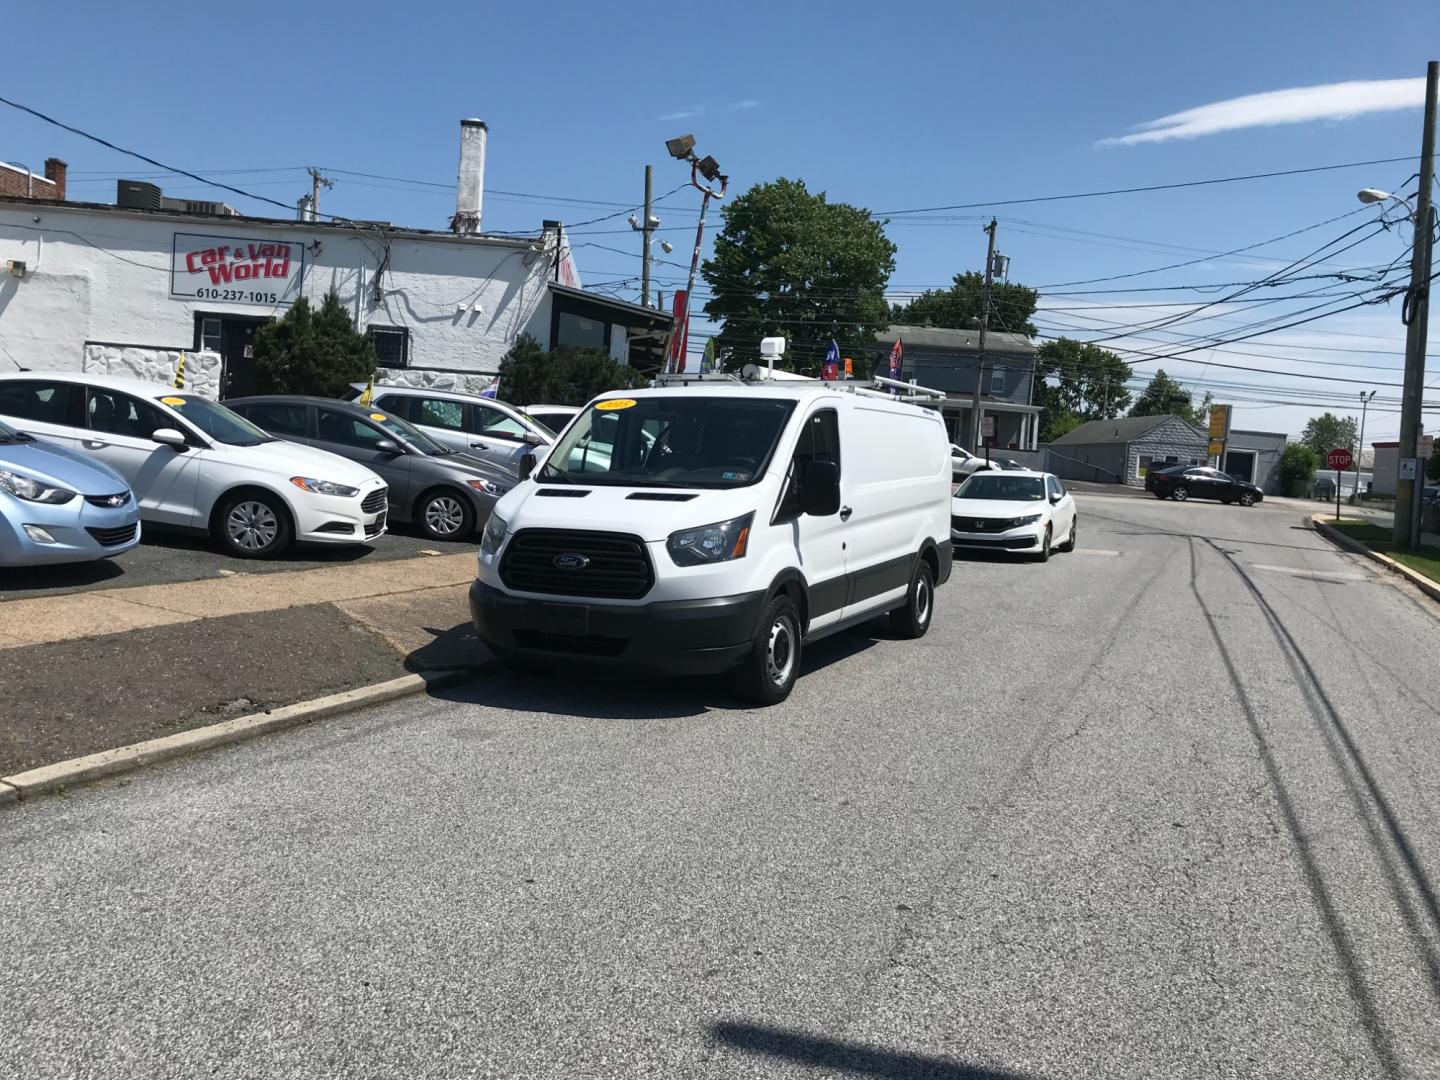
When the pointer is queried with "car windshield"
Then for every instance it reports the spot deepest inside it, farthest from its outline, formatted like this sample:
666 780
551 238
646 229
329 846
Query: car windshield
546 423
1002 488
221 424
408 432
678 440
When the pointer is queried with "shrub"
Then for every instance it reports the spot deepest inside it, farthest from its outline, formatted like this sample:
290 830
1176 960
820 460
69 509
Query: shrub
1297 470
313 352
568 375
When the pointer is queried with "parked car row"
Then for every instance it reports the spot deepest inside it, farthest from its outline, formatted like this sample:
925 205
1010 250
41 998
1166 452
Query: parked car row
84 459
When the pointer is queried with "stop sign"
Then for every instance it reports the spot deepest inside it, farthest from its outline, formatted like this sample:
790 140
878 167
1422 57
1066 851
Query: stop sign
1339 459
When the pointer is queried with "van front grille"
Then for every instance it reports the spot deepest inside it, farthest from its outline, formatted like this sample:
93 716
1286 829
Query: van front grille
568 562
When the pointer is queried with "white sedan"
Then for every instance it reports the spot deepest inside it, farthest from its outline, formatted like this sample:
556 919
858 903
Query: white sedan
1014 511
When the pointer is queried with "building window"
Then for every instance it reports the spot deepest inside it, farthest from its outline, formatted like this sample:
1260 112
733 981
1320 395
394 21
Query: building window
210 334
392 345
1144 466
572 329
997 381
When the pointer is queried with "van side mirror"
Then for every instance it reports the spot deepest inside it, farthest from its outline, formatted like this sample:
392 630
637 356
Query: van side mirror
527 466
168 436
820 489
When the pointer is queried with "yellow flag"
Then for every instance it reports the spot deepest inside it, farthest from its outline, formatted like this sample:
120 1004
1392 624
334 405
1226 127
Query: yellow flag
364 400
179 383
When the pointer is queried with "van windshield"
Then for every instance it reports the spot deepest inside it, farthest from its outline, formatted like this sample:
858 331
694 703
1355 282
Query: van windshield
678 440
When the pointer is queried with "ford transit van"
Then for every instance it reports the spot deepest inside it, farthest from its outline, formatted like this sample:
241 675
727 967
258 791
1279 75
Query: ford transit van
711 524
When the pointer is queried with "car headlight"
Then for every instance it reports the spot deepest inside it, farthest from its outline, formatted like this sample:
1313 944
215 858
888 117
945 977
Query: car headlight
494 534
323 487
720 542
32 490
1015 523
489 487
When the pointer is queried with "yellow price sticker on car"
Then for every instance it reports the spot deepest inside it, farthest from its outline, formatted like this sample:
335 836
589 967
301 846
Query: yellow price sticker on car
172 401
378 416
615 403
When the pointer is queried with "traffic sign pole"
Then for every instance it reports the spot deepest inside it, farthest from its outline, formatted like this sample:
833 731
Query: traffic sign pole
1339 459
1337 493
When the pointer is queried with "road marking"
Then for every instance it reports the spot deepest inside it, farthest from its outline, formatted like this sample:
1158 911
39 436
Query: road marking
1094 551
1313 575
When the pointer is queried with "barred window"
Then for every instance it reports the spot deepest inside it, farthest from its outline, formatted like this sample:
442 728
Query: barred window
392 345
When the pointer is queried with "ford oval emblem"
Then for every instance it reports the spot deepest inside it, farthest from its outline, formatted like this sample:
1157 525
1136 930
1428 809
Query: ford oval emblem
571 561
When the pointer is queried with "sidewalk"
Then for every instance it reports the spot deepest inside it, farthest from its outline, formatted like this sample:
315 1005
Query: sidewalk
91 671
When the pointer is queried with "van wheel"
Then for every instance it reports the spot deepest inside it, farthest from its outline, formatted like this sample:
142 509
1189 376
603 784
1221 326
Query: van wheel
252 525
768 672
913 618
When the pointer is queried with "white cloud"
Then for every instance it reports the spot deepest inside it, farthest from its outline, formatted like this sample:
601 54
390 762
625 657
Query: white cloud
748 103
1301 104
684 113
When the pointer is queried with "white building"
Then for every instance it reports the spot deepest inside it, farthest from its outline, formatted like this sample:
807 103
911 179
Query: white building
127 288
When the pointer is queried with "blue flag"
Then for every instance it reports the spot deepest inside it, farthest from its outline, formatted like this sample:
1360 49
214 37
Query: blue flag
831 371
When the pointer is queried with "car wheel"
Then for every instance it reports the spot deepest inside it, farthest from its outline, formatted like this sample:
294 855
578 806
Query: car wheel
1044 554
1181 493
445 514
252 525
912 619
1247 498
768 673
1069 545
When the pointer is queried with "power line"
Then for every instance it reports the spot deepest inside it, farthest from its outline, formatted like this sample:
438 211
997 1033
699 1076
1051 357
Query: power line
1147 187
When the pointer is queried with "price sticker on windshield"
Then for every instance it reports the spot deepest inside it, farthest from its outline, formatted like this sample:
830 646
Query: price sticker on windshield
615 403
176 401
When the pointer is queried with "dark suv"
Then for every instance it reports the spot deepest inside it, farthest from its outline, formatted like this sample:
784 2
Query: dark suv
1199 482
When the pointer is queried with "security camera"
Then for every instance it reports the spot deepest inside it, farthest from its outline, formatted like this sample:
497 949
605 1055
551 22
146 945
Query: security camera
709 168
634 221
680 147
666 246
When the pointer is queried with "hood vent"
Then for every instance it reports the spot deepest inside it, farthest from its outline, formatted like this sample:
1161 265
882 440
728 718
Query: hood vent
663 496
562 493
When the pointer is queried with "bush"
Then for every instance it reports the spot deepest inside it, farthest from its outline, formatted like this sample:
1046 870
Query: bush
568 375
1297 470
313 352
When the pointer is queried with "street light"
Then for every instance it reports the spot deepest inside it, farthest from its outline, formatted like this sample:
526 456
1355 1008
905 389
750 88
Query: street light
1360 450
683 149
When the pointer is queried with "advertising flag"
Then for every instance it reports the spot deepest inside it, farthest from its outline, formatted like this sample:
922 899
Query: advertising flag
707 361
831 370
897 353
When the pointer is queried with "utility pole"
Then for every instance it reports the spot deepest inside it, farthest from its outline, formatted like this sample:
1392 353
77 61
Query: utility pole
980 353
317 181
1417 314
645 230
1360 450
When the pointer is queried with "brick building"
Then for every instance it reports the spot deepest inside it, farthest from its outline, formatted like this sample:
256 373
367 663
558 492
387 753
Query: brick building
19 182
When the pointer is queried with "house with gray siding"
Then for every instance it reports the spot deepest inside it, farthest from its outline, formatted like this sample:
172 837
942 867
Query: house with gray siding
1255 456
1123 450
949 360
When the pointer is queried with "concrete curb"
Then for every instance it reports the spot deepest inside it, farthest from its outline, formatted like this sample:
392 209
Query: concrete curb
1335 536
64 774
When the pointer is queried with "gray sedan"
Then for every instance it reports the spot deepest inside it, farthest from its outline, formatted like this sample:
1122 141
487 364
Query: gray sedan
448 494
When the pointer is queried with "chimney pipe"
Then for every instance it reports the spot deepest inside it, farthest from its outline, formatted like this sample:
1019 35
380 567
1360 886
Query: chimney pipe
55 170
470 184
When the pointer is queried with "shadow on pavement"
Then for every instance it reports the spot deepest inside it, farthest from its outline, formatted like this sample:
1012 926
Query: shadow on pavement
850 1057
158 537
594 693
23 579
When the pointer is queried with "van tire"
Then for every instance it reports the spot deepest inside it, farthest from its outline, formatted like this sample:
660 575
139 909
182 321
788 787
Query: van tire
767 674
912 619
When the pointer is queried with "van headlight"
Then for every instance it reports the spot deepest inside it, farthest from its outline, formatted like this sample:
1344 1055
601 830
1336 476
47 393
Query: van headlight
1030 519
720 542
32 490
323 487
494 535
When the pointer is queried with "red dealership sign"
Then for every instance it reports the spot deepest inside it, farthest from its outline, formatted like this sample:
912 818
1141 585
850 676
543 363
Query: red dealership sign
236 270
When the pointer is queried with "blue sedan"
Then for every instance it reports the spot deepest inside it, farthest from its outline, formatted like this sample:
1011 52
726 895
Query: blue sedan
57 506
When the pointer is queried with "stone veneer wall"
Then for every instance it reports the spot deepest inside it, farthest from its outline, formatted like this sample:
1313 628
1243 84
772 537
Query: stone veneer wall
202 369
460 382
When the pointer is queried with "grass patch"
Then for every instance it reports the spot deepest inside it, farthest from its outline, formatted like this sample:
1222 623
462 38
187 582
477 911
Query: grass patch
1378 538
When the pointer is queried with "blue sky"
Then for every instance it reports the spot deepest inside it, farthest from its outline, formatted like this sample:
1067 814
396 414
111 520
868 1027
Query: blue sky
889 107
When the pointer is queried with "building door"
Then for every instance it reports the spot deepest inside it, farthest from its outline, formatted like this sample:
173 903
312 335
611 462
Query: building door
1240 464
233 337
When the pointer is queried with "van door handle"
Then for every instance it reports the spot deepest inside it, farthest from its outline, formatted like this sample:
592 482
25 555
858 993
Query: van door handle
845 513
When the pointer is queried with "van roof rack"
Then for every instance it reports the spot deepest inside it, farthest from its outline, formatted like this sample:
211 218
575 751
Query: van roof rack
878 387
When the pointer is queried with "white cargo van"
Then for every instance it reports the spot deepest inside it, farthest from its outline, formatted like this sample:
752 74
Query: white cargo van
709 524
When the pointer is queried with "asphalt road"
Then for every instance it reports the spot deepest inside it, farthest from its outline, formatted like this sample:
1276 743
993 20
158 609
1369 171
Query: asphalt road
166 557
1167 807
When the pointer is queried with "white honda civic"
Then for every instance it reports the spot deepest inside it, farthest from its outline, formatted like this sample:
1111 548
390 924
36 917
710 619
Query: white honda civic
1025 512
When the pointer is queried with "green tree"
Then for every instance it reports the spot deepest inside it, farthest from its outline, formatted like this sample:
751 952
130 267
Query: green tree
1166 396
1090 381
1330 432
791 263
1052 427
959 306
1297 470
568 375
313 352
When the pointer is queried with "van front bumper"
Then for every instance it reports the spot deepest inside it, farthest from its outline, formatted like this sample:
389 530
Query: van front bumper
678 637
